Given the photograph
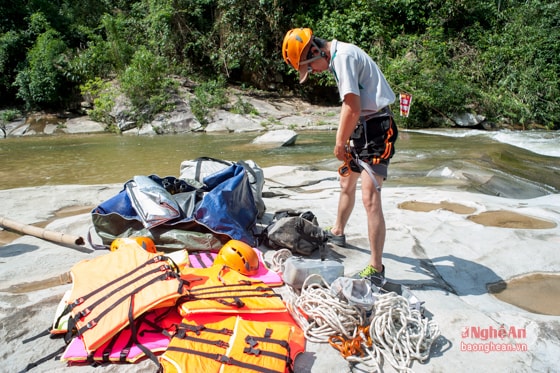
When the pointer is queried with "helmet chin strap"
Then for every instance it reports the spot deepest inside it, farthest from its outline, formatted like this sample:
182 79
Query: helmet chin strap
322 54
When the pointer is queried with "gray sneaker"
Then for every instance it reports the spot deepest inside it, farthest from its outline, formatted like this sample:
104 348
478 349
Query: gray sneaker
333 238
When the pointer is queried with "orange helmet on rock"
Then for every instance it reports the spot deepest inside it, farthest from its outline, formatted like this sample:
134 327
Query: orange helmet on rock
144 242
238 256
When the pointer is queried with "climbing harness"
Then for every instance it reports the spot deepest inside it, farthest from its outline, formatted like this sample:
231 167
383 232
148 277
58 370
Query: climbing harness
344 170
364 166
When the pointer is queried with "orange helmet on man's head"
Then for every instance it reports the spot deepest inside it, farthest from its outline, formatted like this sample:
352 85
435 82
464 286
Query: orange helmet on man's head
296 42
238 256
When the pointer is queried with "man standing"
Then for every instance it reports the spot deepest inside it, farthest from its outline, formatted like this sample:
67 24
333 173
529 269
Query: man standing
366 132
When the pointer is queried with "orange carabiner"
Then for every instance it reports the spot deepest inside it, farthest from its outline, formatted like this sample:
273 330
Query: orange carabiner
347 347
344 169
363 333
337 342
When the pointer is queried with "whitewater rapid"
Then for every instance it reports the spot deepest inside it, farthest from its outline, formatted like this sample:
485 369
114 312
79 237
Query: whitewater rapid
540 142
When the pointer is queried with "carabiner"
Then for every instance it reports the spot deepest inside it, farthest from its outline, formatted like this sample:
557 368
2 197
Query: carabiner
344 169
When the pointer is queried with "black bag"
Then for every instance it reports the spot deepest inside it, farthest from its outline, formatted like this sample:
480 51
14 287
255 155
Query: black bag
294 230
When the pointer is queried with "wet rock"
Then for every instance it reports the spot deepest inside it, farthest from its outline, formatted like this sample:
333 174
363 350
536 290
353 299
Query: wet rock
280 137
468 120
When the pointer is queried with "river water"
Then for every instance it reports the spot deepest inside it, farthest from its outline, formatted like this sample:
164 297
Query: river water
510 164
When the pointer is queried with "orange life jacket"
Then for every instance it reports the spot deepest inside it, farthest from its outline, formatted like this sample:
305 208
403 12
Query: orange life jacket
218 289
234 344
110 291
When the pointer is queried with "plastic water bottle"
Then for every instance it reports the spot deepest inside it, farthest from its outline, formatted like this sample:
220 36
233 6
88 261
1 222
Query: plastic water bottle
297 269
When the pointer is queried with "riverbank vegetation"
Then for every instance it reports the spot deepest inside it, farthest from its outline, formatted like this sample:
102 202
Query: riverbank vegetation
499 59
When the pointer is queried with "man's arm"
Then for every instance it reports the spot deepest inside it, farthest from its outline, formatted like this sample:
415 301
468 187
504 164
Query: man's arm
349 117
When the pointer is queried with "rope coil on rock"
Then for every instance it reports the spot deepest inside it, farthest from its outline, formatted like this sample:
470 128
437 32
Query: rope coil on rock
401 333
394 331
322 315
278 259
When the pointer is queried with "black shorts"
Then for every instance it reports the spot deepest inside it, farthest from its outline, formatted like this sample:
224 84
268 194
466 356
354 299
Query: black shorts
374 143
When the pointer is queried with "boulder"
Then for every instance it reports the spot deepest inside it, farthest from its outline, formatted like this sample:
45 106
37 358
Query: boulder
83 125
468 120
280 137
224 121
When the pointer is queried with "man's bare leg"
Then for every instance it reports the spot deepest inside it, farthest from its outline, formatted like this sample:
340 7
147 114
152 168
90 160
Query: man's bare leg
346 202
371 198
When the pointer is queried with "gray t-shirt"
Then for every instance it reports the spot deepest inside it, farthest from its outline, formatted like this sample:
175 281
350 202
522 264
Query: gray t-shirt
355 72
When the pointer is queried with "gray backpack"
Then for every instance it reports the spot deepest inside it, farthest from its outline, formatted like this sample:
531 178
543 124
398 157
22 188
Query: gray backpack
294 230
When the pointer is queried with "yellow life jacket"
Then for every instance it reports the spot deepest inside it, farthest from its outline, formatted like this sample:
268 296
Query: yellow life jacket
222 290
110 291
234 344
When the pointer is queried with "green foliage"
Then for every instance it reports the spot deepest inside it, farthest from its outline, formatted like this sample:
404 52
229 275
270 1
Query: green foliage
500 59
208 95
9 115
11 50
521 62
118 49
41 81
90 63
102 95
145 83
243 107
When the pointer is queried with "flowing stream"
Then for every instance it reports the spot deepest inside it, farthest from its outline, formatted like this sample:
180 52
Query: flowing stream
509 164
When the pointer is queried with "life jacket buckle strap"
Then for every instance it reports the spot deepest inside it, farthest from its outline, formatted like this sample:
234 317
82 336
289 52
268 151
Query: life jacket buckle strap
222 344
226 331
223 359
77 302
83 313
252 351
251 341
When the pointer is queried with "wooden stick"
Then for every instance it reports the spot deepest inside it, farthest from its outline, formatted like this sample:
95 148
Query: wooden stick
31 230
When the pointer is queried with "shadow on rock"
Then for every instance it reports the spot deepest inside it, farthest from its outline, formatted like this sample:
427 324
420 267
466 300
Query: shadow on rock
9 251
450 273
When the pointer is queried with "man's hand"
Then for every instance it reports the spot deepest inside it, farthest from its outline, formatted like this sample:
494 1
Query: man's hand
340 151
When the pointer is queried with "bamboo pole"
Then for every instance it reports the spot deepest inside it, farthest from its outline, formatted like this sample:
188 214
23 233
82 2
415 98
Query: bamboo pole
31 230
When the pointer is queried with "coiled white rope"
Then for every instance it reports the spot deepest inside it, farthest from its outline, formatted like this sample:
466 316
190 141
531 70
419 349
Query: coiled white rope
320 314
402 332
399 334
278 259
396 333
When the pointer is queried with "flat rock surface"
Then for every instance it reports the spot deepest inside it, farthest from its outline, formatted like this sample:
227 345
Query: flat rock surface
441 243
